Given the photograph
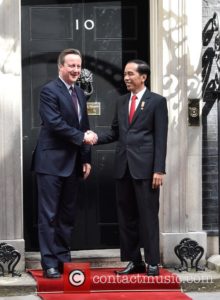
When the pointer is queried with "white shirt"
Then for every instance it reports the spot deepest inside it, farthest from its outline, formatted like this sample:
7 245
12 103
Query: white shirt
139 96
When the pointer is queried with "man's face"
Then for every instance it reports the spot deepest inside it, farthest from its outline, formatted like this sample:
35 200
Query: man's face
134 81
71 68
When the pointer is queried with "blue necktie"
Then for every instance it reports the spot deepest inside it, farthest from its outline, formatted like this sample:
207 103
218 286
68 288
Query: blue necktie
74 99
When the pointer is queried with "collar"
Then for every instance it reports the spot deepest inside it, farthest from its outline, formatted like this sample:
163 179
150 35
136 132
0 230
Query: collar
68 86
140 94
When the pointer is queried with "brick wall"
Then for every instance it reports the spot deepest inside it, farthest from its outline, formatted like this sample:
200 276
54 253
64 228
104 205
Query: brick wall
209 121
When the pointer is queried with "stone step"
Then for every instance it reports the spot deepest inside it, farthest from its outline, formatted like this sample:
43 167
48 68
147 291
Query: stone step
17 286
208 280
97 258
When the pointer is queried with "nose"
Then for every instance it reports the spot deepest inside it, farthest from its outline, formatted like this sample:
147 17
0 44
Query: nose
75 69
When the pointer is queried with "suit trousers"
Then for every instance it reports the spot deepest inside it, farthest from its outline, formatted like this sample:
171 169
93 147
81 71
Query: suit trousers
57 203
138 208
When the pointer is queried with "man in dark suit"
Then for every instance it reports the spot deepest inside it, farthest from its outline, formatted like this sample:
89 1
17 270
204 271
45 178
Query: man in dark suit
140 127
61 157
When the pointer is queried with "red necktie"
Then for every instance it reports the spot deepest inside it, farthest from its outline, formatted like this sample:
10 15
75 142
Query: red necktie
132 107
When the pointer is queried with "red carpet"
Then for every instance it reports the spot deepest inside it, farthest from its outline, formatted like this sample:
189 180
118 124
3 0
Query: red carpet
118 296
104 284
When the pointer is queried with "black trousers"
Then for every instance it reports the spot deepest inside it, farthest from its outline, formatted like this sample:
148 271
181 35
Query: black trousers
57 203
138 208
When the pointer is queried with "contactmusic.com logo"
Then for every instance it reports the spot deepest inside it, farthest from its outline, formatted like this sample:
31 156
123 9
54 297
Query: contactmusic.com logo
77 277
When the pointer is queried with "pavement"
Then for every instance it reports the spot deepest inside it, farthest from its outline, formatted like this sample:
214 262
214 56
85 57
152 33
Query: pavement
200 296
29 297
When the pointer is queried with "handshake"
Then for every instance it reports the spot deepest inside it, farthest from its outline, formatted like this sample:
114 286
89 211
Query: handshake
90 137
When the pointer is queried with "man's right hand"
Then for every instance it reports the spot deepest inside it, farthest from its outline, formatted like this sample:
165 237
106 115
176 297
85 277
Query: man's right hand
90 137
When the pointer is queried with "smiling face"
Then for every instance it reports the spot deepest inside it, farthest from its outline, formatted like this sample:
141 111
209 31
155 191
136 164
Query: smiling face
133 79
70 70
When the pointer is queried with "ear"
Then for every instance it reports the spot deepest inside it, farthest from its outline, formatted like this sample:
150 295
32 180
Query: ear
144 77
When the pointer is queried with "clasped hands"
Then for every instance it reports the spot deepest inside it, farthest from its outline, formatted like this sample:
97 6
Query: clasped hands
90 137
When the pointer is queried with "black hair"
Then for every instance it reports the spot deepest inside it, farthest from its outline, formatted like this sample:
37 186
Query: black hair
62 55
142 66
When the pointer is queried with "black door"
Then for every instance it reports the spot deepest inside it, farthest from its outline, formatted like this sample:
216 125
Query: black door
108 33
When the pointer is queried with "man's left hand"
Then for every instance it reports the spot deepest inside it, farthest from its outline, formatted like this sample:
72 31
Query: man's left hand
157 180
86 170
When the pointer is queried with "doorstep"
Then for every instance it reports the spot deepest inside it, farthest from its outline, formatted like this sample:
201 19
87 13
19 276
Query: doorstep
202 281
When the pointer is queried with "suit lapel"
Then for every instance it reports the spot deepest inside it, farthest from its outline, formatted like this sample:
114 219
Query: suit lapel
68 99
125 110
81 102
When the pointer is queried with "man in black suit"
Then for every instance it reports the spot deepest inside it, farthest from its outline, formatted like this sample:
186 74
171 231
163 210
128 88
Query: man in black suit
140 127
61 157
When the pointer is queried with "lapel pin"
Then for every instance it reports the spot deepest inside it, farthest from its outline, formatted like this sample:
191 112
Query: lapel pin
142 105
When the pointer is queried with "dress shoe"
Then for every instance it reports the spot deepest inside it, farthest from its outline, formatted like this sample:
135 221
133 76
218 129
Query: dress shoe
133 268
51 273
153 270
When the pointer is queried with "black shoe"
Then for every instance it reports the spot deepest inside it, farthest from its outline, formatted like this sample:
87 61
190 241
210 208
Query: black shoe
51 273
133 268
153 270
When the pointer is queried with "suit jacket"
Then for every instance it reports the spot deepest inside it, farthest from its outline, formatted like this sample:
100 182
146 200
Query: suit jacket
60 146
142 144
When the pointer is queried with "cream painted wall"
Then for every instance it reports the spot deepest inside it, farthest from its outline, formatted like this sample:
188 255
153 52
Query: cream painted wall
176 44
11 197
